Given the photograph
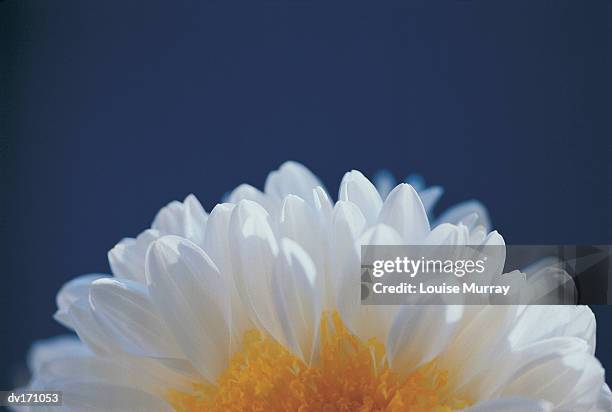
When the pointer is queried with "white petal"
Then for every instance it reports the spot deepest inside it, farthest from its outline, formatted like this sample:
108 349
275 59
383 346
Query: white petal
128 256
216 237
356 188
195 219
135 372
216 245
108 397
404 212
187 219
494 248
76 289
514 363
464 212
419 333
604 402
365 321
299 222
430 197
291 178
253 247
447 234
48 350
539 322
551 279
192 299
124 312
477 235
248 192
80 318
570 377
169 219
480 340
512 405
380 234
296 296
348 224
322 205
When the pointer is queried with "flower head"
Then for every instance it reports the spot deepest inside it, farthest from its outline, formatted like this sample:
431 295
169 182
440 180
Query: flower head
255 307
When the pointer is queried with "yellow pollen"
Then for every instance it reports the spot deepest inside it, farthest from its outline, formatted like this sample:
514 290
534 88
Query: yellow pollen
349 375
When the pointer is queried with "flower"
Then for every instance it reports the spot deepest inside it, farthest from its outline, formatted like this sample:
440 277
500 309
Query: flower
470 213
255 307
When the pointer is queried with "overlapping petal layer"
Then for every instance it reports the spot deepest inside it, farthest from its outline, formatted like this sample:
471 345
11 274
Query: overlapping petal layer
186 294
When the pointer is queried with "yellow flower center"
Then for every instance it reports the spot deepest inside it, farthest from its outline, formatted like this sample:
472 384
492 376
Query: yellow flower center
349 375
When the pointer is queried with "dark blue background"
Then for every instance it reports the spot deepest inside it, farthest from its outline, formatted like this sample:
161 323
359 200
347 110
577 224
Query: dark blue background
111 109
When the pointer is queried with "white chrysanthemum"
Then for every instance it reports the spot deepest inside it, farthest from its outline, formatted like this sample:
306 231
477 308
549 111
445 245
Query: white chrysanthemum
256 307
